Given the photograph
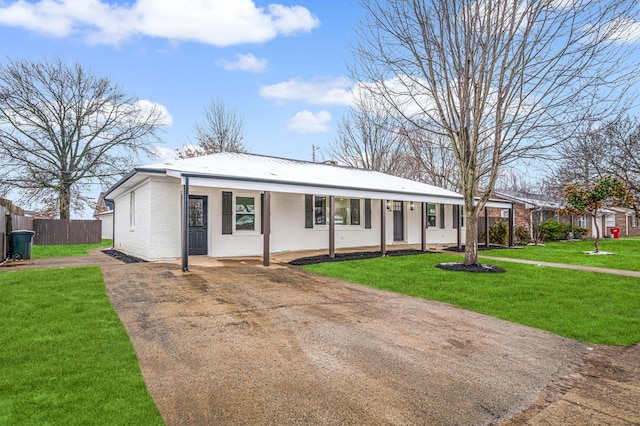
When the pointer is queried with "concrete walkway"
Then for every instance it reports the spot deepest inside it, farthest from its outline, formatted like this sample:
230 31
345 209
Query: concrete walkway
634 274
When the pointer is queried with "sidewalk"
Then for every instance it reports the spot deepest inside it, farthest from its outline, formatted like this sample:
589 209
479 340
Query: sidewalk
634 274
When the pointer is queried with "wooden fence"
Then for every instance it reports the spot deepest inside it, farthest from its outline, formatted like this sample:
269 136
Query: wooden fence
12 218
56 231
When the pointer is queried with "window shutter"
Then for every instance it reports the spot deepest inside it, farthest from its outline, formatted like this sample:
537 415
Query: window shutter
367 213
262 213
441 216
456 209
308 211
227 212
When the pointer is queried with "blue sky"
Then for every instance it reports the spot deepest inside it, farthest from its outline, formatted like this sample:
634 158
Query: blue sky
282 66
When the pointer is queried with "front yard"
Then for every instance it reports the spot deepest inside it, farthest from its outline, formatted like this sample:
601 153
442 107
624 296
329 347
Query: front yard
590 307
66 358
627 253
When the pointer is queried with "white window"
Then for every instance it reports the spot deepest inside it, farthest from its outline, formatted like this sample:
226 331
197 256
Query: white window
504 213
347 211
431 215
320 211
132 210
245 214
634 221
582 221
609 221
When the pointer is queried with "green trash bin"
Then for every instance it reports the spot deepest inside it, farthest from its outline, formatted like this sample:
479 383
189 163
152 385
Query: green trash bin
21 243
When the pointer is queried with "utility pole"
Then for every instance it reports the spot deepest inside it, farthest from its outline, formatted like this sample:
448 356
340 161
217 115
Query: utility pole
313 152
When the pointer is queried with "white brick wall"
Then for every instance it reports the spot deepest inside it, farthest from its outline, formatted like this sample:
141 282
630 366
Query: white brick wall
134 240
166 219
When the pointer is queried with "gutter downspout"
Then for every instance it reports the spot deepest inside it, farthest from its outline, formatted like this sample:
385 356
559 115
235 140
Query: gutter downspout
113 224
185 226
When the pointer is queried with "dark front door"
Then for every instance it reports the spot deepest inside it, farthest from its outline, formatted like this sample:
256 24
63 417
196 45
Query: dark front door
398 221
197 224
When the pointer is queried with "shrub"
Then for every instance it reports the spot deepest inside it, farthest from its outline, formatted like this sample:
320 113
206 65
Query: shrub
498 232
522 235
579 232
552 230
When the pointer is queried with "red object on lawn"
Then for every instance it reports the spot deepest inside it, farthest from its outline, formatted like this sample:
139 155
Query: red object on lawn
615 232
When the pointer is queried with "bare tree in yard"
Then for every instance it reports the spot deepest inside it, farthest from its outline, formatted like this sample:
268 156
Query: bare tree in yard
621 157
221 131
366 140
63 128
609 149
498 79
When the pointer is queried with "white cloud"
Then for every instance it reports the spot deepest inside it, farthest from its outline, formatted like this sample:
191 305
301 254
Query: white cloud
308 122
164 154
215 22
242 62
623 31
147 107
326 91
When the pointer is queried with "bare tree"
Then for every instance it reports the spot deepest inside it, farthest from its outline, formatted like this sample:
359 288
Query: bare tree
498 79
432 159
221 131
621 157
366 139
609 149
63 128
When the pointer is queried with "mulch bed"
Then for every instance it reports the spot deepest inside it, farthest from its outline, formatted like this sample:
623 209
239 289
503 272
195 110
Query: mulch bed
461 267
312 260
480 248
122 257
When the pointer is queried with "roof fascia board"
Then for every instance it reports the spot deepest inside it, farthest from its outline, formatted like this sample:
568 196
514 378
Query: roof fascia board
319 189
127 177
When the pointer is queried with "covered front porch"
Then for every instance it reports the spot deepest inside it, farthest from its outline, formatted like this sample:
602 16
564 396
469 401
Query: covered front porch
421 226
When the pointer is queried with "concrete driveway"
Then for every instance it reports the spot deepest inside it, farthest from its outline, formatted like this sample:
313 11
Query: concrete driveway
243 344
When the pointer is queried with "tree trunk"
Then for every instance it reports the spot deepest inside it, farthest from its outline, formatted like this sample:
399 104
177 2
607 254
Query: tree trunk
65 202
471 239
596 243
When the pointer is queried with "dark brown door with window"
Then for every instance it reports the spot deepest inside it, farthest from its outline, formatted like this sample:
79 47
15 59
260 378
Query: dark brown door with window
398 221
197 224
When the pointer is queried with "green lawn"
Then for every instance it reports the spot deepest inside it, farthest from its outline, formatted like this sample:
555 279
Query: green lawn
65 358
42 252
627 253
590 307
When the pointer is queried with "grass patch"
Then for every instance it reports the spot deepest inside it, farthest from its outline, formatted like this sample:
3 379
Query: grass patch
627 253
66 358
590 307
66 250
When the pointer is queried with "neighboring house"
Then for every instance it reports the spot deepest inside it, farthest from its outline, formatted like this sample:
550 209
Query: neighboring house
252 205
531 210
104 213
627 220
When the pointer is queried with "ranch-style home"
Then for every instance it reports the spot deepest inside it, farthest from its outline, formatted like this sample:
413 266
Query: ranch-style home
253 205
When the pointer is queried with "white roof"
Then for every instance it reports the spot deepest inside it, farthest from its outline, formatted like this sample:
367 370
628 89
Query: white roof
530 201
257 172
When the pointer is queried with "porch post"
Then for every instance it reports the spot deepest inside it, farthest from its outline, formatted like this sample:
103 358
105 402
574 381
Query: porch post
459 227
383 228
486 227
185 226
423 227
511 226
332 227
266 228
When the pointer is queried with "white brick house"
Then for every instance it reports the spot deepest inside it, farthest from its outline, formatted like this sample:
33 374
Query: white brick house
251 205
